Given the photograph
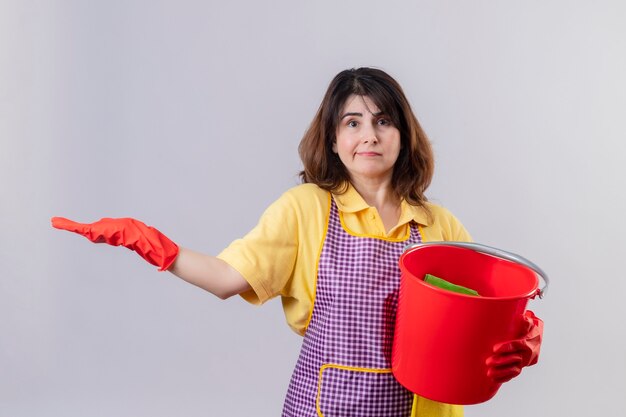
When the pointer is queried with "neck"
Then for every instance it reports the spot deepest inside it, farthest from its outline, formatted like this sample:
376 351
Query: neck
381 196
376 193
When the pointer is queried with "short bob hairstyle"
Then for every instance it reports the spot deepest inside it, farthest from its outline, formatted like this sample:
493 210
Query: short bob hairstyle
414 168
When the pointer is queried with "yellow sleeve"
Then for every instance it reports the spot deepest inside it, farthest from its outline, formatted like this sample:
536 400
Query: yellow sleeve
280 255
444 226
266 256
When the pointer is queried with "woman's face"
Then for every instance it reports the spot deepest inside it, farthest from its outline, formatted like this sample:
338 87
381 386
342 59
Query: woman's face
367 142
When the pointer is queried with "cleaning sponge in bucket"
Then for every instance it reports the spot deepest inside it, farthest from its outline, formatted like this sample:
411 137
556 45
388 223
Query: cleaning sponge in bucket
446 285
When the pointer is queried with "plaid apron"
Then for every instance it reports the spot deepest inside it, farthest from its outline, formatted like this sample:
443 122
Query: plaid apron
344 368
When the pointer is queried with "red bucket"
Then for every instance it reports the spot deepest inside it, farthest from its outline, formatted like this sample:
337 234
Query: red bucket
443 338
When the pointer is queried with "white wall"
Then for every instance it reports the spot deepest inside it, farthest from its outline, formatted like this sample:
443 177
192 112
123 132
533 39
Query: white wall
188 114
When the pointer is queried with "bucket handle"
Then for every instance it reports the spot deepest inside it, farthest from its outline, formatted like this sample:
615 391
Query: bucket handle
498 253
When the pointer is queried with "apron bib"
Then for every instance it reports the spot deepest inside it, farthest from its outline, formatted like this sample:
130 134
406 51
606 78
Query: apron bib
344 367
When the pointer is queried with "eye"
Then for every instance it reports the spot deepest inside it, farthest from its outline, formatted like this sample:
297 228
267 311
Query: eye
352 123
384 122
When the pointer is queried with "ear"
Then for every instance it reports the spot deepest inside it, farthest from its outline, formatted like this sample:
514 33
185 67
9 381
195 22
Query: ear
335 146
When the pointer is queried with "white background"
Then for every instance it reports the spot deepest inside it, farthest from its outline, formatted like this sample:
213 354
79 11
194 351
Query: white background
187 115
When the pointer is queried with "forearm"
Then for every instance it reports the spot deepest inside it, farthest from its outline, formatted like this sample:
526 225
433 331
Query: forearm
209 273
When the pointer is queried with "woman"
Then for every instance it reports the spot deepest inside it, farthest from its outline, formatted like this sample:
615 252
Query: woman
330 249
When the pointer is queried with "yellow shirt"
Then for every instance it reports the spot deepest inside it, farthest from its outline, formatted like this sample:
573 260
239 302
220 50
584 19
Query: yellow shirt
279 256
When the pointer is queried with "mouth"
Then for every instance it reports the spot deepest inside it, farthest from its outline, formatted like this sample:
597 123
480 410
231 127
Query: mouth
368 154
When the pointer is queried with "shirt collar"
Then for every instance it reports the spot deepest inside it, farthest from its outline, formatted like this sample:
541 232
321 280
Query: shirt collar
418 214
351 202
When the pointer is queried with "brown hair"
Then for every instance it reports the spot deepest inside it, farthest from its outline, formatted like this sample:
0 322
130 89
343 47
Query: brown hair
414 168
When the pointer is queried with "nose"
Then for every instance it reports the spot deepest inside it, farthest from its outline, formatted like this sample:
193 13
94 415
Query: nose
368 135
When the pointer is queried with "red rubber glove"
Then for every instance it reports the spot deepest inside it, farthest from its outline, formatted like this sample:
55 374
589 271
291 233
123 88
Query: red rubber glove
510 357
148 242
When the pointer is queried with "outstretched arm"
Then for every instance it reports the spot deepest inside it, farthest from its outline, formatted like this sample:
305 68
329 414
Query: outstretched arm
209 273
205 271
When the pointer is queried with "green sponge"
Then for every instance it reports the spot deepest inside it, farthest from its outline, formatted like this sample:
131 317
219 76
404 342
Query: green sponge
442 283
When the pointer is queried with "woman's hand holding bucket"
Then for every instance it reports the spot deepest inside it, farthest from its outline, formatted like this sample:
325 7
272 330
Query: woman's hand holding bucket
510 357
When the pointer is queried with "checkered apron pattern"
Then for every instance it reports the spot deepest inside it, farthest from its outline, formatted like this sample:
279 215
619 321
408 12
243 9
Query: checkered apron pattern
344 368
